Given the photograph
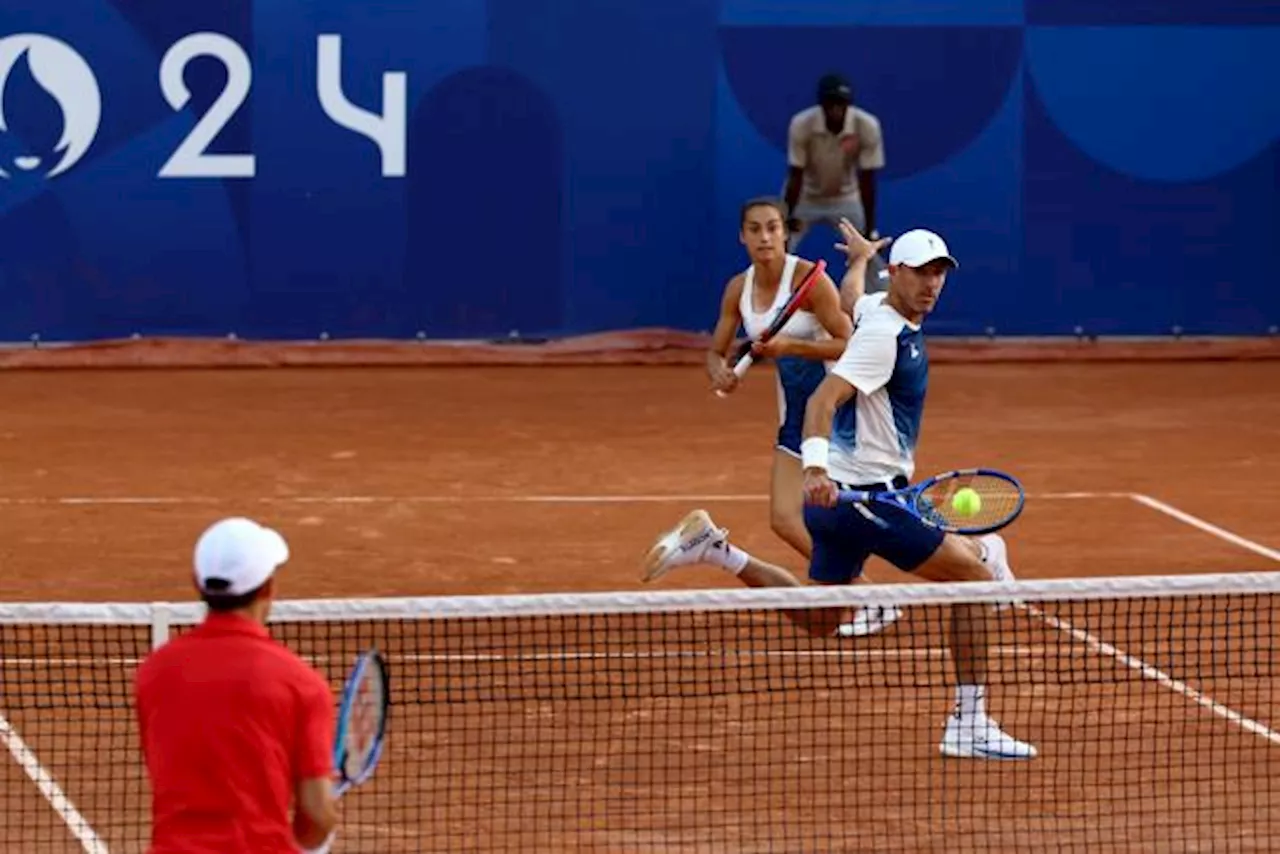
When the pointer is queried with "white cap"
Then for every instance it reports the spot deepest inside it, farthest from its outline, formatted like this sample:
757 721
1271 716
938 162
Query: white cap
918 247
239 551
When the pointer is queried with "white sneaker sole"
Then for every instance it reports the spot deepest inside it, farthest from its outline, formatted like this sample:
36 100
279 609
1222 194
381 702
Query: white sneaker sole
656 561
1002 747
974 751
863 626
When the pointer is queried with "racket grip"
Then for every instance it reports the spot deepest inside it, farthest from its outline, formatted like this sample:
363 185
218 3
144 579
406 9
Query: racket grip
858 500
739 368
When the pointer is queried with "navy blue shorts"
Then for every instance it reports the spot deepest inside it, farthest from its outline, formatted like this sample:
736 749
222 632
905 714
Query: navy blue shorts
843 539
800 378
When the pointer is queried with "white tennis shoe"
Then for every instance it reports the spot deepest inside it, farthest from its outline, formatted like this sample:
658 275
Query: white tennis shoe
695 540
870 620
980 737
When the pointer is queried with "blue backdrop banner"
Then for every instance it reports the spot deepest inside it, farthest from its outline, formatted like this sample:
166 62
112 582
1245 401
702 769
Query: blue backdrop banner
465 168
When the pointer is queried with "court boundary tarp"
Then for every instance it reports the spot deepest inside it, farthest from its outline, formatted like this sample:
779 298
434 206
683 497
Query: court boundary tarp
629 347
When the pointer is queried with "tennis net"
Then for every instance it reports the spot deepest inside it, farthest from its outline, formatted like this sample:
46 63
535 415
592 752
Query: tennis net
704 721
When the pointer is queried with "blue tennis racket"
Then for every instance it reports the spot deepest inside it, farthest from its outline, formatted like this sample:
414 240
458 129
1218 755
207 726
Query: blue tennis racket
995 500
362 721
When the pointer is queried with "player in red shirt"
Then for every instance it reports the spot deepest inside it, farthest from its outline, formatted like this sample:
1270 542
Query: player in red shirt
237 731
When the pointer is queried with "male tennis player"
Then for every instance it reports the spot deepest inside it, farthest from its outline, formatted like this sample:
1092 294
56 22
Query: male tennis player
884 371
235 727
812 338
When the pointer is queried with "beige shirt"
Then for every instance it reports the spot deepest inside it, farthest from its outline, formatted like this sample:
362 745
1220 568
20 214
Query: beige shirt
831 161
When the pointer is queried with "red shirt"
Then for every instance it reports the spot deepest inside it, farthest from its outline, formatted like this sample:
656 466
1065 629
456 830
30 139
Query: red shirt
230 721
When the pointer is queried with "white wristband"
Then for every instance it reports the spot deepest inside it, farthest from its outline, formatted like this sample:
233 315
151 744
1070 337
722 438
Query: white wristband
814 452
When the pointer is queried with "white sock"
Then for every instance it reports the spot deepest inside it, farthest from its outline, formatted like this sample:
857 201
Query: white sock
728 556
971 701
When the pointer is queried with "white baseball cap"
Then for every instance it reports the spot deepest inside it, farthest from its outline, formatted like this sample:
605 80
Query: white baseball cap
918 247
240 553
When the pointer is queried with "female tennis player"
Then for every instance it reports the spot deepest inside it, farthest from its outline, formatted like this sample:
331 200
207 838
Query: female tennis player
814 337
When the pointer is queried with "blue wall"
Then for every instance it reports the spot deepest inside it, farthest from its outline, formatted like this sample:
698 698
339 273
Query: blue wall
576 165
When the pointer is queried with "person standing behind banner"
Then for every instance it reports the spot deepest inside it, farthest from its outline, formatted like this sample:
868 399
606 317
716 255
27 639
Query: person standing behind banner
236 728
834 153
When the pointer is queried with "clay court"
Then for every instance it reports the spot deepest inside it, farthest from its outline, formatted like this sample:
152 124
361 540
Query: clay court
432 481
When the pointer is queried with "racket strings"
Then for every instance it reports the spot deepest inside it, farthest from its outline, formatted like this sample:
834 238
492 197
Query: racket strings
999 499
365 723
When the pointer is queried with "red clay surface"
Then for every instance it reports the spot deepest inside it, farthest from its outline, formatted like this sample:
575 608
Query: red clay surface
449 458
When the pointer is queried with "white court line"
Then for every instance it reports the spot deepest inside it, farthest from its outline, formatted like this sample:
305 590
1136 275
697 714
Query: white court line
177 500
1207 527
1159 676
1153 673
397 831
26 759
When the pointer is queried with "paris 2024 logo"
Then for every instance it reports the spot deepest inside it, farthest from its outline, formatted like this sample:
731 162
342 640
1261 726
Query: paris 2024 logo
53 67
64 75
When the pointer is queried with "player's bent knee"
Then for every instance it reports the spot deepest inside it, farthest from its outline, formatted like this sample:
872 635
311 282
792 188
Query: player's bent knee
790 528
954 560
785 525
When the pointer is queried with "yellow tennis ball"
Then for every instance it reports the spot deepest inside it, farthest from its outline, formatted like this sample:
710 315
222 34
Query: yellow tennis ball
966 502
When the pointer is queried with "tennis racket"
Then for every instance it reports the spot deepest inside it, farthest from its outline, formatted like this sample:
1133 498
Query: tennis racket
742 357
1001 499
362 721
